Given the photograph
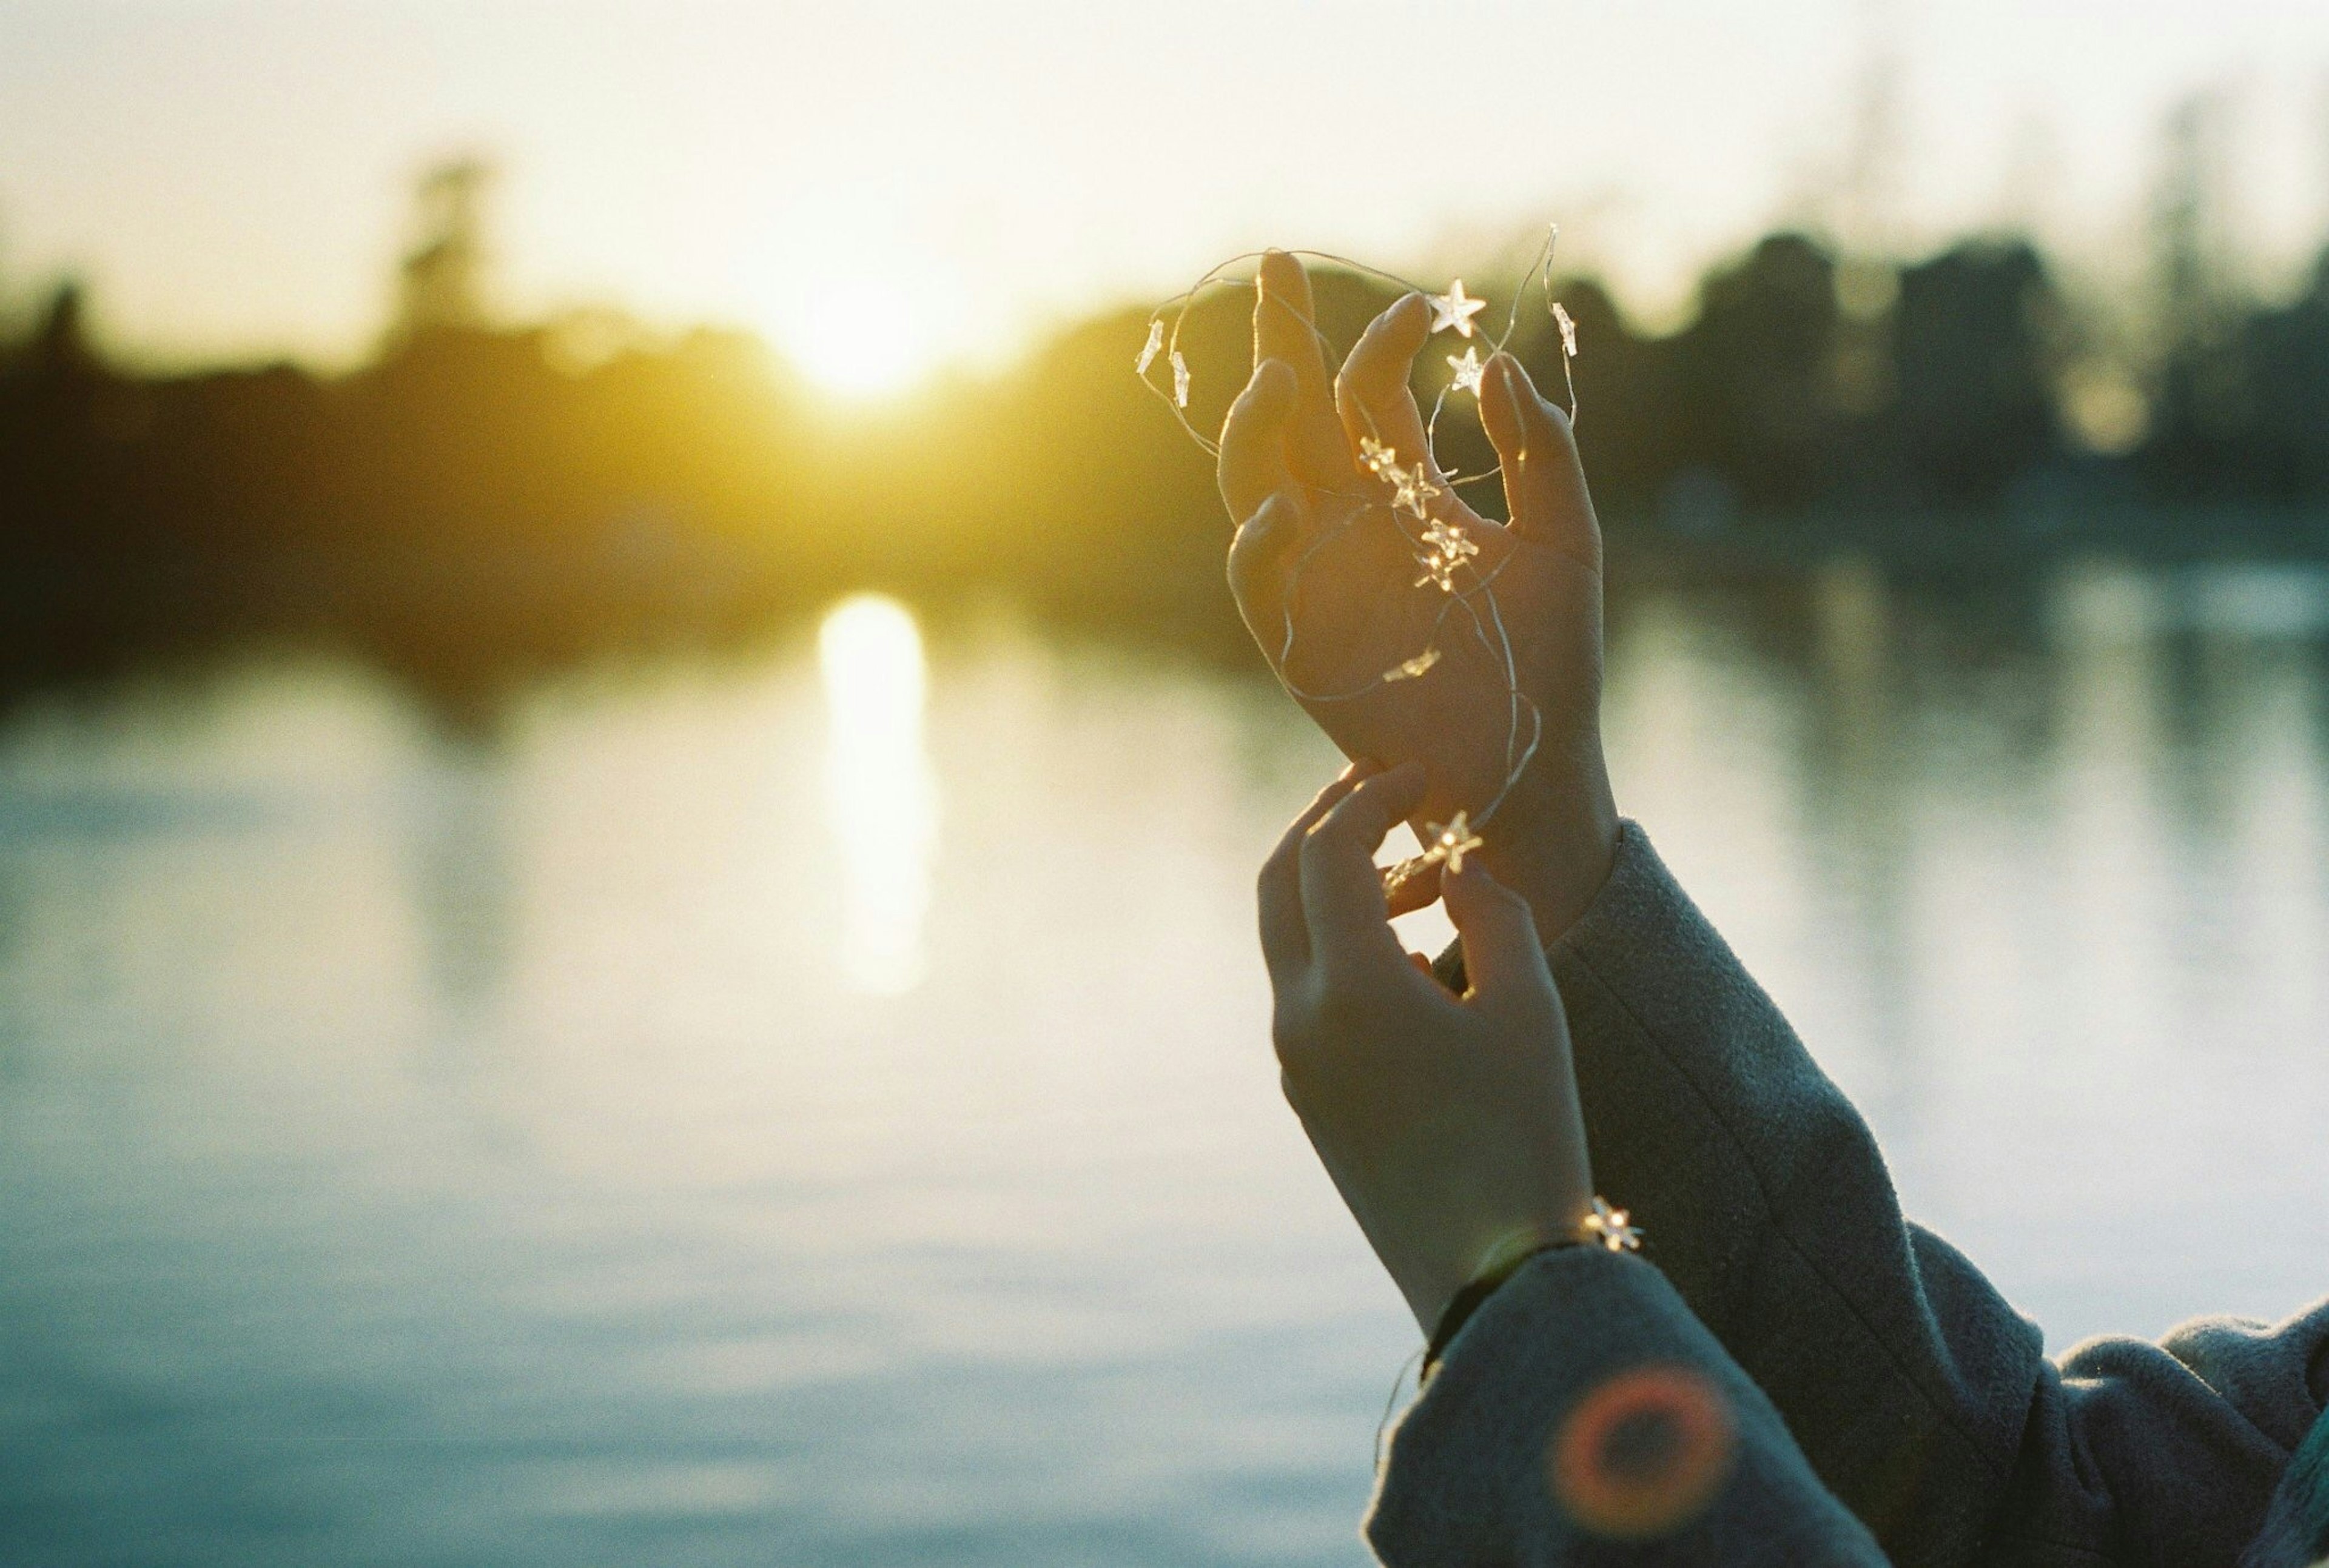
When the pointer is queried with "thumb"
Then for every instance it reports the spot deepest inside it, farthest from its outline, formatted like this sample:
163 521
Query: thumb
1502 956
1261 543
1252 459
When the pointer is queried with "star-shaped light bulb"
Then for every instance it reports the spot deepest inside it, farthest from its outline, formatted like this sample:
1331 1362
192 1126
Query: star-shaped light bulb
1409 668
1568 330
1376 457
1450 540
1411 491
1151 349
1445 547
1454 308
1468 369
1179 380
1451 843
1608 1227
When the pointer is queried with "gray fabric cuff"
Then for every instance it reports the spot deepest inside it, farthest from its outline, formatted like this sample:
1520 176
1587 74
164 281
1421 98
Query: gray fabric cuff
1498 1459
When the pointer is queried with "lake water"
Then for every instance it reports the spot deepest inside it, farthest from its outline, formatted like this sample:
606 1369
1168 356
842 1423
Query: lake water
817 1111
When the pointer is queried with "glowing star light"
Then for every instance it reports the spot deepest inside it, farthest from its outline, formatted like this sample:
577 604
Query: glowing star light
1411 492
1450 540
1608 1225
1449 845
1404 501
1445 547
1456 309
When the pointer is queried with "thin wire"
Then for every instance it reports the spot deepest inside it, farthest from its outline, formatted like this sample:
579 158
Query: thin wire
1523 713
1441 560
1398 1381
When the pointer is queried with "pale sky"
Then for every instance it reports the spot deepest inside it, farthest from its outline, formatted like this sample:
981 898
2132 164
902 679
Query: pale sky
233 178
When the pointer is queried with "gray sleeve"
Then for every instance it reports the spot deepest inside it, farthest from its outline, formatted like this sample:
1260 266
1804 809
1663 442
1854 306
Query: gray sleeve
1517 1451
1919 1397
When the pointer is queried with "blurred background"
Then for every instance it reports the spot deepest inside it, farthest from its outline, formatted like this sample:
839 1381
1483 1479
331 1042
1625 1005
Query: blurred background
629 792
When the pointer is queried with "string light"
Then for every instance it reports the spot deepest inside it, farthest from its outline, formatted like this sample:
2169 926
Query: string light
1401 495
1469 369
1449 845
1568 326
1411 490
1454 309
1611 1228
1450 541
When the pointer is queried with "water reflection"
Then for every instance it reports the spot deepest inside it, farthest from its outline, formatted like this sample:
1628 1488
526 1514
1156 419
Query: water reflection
421 1152
881 792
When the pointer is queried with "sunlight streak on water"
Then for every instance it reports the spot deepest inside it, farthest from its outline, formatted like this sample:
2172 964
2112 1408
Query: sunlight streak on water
881 798
419 1147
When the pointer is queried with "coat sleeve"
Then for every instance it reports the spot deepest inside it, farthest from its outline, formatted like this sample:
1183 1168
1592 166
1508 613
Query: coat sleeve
1920 1397
1583 1417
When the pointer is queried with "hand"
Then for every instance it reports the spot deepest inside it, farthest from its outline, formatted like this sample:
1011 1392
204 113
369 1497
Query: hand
1449 1125
1291 477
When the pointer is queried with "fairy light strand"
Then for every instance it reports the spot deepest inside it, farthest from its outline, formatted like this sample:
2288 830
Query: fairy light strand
1444 551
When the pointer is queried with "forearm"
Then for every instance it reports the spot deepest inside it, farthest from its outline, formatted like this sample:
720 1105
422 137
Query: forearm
1902 1375
1920 1398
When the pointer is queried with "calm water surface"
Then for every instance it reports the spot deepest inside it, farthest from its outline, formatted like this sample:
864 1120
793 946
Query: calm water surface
818 1111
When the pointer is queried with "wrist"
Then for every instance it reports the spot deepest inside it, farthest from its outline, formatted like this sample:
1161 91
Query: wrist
1554 842
1601 1229
1441 1325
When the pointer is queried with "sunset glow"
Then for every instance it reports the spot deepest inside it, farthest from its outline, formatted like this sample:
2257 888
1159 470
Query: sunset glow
854 335
233 180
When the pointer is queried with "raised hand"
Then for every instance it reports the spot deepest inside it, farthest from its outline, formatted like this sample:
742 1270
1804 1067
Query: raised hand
1325 575
1449 1125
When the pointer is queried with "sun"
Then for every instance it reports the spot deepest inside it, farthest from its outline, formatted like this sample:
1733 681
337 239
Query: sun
850 292
857 336
850 335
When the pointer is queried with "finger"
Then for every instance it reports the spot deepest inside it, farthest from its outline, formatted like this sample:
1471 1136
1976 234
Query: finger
1284 938
1544 483
1502 958
1411 885
1341 892
1285 328
1258 545
1253 440
1371 394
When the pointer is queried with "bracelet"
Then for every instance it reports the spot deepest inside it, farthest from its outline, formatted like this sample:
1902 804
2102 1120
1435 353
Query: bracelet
1604 1227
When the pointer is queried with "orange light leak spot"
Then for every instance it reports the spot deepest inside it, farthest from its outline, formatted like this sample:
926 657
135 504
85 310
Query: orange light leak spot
1643 1454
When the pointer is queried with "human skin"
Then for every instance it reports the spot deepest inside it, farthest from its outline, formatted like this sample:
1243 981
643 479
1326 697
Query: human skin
1449 1124
1291 475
